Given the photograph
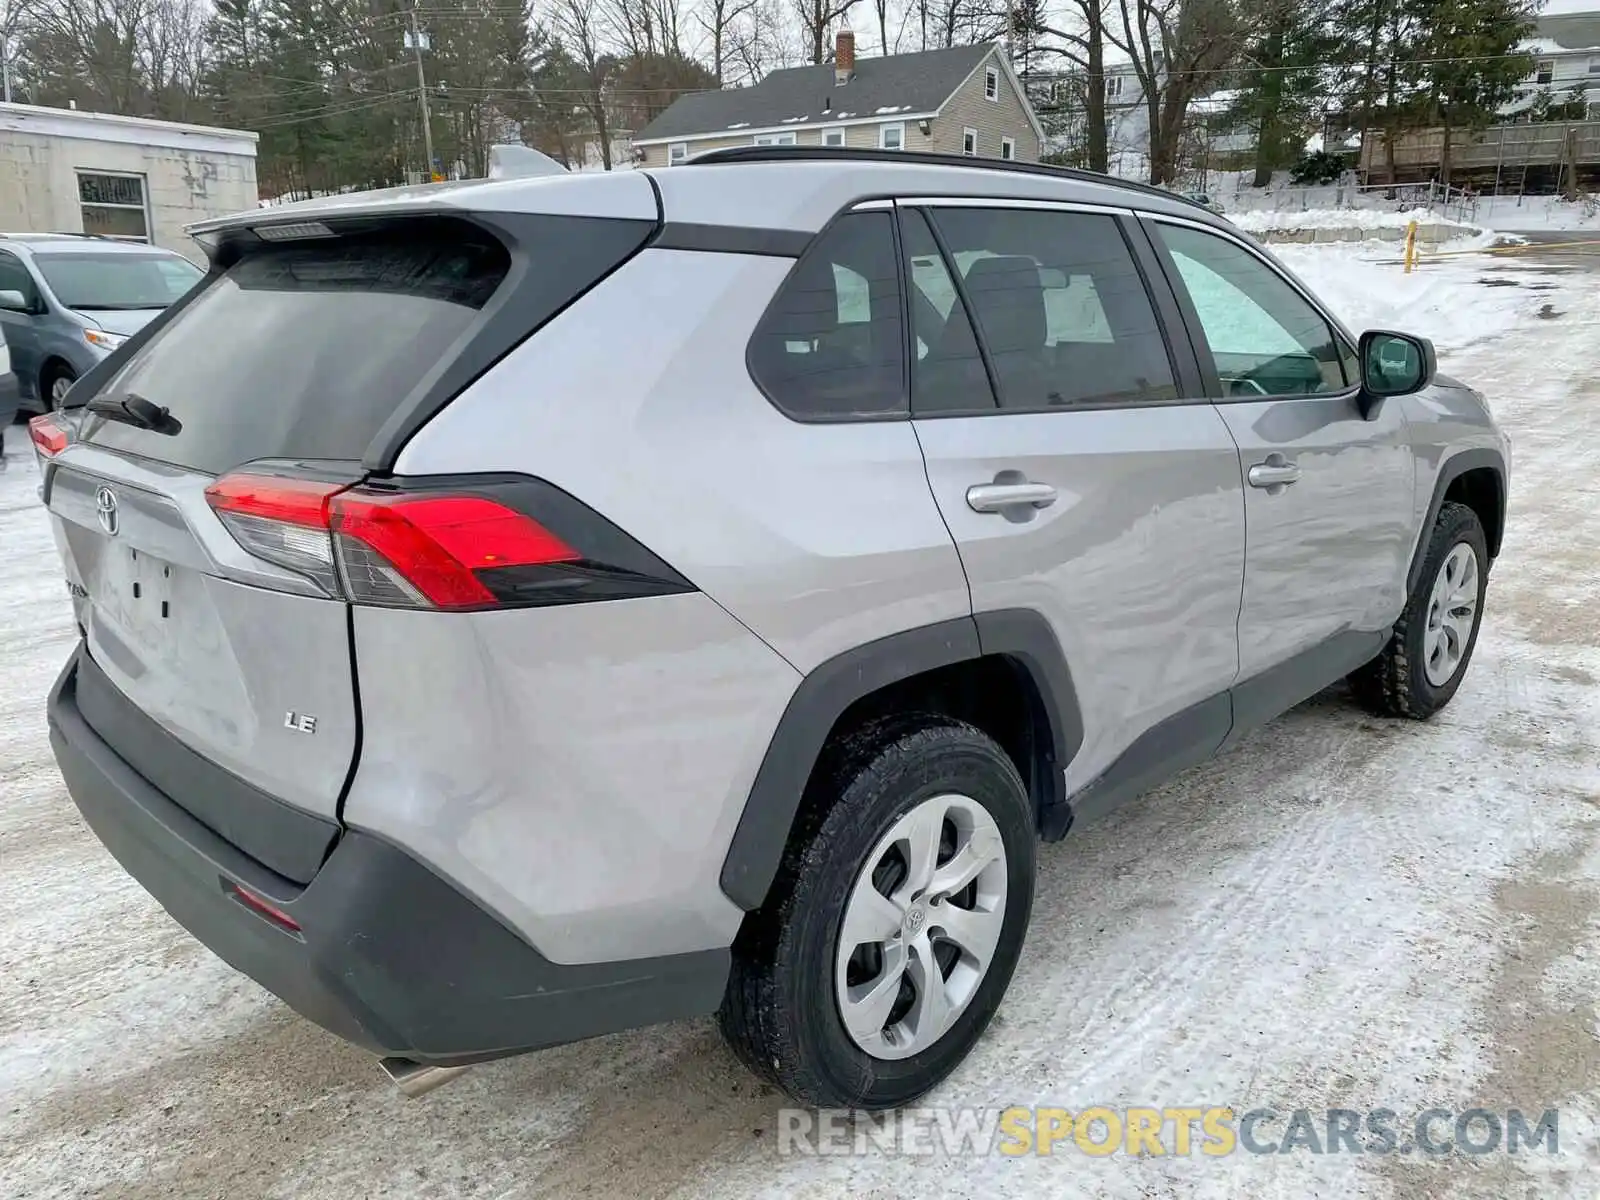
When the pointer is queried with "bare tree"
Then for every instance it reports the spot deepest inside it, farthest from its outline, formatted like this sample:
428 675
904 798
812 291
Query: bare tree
1079 39
815 18
1179 49
720 19
578 24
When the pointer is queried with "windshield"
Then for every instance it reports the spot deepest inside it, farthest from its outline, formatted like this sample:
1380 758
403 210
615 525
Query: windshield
113 281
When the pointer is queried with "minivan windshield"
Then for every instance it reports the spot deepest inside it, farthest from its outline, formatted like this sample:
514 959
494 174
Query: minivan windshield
107 281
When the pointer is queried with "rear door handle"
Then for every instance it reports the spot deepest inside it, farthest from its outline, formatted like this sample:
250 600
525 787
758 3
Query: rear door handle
999 497
1277 472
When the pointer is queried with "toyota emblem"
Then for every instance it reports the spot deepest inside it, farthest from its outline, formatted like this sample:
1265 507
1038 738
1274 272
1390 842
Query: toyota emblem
105 508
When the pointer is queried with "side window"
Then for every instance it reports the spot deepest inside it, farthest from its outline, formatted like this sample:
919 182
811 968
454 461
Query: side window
1265 338
1061 307
947 372
14 277
830 343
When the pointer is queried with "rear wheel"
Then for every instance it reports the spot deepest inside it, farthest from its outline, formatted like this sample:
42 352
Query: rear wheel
1426 658
57 382
895 923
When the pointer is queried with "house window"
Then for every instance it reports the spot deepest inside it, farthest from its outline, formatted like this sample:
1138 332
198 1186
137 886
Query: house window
833 137
1008 148
1545 71
892 137
775 139
114 206
677 153
1113 87
991 84
1594 65
969 142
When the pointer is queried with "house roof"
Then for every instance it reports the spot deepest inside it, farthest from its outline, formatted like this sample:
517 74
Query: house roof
1569 31
808 96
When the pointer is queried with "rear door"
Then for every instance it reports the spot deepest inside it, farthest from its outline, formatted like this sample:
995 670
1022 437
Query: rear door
1329 499
1073 469
227 627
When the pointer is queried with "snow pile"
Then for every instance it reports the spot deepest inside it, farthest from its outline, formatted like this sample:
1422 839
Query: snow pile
1343 218
1541 212
1443 299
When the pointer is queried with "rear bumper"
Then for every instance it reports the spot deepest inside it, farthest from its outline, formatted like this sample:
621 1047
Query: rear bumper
389 956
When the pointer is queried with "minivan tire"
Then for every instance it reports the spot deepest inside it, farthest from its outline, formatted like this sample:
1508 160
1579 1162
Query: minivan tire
782 1012
1396 683
53 375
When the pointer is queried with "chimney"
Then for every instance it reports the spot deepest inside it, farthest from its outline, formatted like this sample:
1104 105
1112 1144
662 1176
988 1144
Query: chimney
844 56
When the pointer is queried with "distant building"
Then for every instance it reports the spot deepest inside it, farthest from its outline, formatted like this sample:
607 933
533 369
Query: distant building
64 171
963 100
1566 51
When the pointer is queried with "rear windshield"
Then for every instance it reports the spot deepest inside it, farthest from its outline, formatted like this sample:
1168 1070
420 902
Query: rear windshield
105 282
306 349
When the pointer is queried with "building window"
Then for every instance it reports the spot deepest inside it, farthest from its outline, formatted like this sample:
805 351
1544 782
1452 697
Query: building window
114 206
775 139
677 154
969 142
1113 87
892 137
991 84
1545 71
1008 148
1594 65
833 137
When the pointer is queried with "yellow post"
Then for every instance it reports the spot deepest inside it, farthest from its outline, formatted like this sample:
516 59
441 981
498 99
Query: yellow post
1411 246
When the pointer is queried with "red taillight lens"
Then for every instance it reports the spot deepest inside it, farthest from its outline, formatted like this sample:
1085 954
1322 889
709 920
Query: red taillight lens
282 520
429 548
48 437
399 549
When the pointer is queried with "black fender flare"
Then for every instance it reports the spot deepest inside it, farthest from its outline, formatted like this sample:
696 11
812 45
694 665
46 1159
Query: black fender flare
1450 470
1020 635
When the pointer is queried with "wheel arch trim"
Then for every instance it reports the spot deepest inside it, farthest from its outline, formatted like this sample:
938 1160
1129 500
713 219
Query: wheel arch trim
823 696
1449 471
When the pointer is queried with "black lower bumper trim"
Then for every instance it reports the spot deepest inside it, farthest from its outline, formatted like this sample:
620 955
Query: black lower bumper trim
388 955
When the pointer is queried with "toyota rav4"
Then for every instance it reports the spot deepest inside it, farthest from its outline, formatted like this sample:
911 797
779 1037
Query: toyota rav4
523 610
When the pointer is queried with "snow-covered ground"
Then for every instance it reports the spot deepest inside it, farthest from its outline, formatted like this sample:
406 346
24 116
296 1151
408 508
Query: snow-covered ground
1343 912
1264 221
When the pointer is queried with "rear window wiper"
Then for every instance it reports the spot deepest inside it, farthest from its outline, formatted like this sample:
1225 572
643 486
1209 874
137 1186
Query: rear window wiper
135 410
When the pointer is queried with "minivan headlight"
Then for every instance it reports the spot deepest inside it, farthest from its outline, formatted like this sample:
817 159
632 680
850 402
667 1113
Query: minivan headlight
101 340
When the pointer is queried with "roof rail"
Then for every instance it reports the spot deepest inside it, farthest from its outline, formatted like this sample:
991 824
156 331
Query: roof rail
752 154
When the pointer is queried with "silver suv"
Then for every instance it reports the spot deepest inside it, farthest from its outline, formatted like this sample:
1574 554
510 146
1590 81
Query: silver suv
519 611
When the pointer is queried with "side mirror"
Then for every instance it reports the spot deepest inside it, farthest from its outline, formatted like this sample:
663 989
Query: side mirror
1393 364
15 301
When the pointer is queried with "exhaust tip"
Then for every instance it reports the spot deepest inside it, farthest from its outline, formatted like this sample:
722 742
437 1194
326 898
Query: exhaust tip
417 1079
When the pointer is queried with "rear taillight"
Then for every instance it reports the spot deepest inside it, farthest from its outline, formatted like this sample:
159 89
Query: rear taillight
49 439
436 546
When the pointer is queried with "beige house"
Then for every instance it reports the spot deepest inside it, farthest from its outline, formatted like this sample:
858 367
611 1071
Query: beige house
964 100
64 171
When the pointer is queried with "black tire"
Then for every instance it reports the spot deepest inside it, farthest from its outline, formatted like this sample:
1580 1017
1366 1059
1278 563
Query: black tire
1395 684
47 383
780 1014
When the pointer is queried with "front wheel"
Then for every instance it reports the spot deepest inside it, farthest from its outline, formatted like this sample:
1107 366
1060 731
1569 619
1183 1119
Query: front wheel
895 923
58 382
1427 656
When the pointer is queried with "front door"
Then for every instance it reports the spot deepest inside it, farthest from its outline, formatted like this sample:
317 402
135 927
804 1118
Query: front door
1329 494
1076 478
21 334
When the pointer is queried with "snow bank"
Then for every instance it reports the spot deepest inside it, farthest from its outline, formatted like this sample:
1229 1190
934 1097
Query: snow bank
1367 219
1444 299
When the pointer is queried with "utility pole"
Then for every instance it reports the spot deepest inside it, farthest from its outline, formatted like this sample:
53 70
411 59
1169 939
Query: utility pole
415 38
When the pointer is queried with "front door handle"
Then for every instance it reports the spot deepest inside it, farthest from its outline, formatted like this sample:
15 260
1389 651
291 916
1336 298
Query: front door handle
1001 497
1276 472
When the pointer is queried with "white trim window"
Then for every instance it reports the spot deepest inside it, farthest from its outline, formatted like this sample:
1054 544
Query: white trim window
1114 87
677 153
991 84
969 142
1544 71
786 138
833 137
113 204
1594 64
1008 148
892 136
